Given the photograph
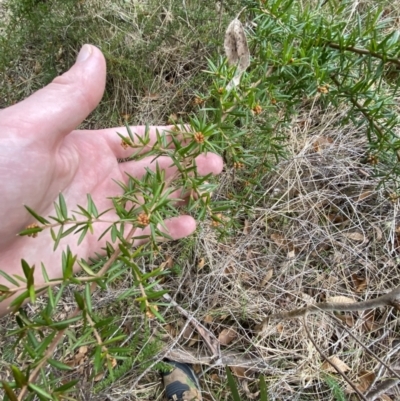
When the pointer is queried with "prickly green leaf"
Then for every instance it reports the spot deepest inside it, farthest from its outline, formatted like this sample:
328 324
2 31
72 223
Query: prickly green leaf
30 231
9 391
58 364
9 278
232 385
19 377
39 391
63 206
66 386
39 218
263 389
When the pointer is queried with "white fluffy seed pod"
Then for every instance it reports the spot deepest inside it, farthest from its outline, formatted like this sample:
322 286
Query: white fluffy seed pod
236 50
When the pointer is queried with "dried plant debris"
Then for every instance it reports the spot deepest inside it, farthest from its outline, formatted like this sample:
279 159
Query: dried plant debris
236 50
295 254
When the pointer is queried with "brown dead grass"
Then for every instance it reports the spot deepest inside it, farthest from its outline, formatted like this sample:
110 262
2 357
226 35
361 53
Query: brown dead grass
324 228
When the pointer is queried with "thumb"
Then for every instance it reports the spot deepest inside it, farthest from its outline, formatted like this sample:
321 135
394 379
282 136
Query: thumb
57 109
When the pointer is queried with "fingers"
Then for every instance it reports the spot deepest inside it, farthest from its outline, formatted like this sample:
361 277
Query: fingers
57 109
137 169
114 141
209 163
175 227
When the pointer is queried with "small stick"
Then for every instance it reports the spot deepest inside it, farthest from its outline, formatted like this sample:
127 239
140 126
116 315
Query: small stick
381 388
366 52
384 300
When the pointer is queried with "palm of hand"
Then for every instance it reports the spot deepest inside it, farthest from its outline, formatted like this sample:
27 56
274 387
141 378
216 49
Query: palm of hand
41 155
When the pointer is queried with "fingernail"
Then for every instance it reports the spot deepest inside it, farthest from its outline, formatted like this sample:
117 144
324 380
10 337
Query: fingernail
84 53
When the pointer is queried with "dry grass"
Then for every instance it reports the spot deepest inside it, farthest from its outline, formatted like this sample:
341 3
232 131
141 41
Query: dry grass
324 228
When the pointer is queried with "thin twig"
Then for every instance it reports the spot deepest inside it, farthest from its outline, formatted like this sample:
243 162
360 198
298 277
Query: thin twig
230 358
43 286
351 384
366 52
384 300
381 388
360 108
95 332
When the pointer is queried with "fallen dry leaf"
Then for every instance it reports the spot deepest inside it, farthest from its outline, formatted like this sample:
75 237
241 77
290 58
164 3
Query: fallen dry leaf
150 97
366 379
98 377
83 350
378 232
168 263
208 319
359 282
337 362
238 371
369 323
201 263
321 142
355 236
267 277
340 299
215 378
246 227
227 336
188 332
229 269
279 328
346 318
191 335
337 218
170 330
79 359
364 195
279 239
194 340
126 117
173 118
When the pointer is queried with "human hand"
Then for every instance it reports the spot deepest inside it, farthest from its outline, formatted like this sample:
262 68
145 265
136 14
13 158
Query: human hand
41 155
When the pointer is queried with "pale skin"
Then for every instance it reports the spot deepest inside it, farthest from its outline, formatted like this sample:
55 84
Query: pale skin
42 154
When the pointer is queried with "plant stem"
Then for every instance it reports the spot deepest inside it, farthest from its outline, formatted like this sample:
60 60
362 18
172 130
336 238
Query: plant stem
358 50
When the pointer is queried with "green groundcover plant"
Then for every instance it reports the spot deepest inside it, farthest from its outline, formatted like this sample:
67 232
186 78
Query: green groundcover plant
300 53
